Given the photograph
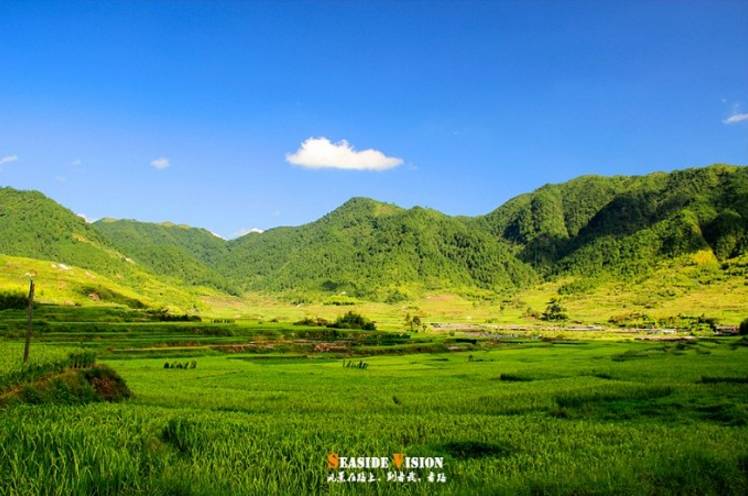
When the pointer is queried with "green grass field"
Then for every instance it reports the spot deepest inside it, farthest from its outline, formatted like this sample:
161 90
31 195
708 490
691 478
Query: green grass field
522 417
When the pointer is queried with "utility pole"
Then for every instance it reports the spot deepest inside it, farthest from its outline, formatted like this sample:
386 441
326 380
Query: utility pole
30 314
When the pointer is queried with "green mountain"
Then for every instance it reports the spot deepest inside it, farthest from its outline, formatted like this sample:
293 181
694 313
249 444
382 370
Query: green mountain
73 261
365 246
32 225
623 225
186 253
590 226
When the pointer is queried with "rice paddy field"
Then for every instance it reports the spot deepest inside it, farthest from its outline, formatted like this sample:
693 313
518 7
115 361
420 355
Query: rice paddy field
610 415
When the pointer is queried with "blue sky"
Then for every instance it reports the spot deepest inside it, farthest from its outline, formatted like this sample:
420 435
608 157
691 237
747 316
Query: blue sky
194 111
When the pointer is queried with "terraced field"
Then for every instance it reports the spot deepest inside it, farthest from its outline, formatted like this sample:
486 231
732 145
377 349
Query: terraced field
519 417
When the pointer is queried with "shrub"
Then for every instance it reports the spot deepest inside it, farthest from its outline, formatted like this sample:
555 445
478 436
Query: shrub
554 311
415 323
15 301
316 322
744 327
109 386
396 296
74 386
353 320
163 315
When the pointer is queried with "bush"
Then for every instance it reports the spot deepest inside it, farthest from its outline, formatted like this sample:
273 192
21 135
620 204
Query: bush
308 321
163 315
744 327
109 386
74 386
396 296
353 320
14 301
554 311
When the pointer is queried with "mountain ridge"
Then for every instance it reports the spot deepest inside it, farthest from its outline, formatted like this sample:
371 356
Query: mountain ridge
592 224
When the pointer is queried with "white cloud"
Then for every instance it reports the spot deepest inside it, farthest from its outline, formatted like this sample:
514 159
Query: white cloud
160 163
8 159
735 118
321 153
85 217
248 230
216 235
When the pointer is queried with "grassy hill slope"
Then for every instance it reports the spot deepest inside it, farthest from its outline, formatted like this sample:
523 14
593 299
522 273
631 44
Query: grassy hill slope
186 253
75 262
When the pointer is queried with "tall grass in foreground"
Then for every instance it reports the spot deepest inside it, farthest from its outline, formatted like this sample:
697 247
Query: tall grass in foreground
580 421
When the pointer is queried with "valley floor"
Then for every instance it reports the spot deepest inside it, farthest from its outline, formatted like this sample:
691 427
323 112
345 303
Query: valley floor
525 417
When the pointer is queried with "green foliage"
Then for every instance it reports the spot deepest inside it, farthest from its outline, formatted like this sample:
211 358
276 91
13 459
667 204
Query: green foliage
414 323
591 227
589 424
353 320
13 300
105 294
163 315
32 225
81 360
625 225
554 311
365 246
185 253
43 361
107 384
71 386
314 322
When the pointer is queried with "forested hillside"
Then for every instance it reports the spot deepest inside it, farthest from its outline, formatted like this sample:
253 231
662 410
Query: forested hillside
33 226
624 225
187 253
590 226
38 236
366 245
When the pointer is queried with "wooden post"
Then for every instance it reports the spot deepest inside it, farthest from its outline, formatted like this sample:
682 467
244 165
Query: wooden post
30 314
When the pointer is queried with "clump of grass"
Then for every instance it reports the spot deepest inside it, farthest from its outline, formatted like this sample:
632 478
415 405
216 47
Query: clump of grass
350 364
628 355
109 386
476 449
181 434
514 378
73 386
82 360
181 365
724 413
578 399
706 379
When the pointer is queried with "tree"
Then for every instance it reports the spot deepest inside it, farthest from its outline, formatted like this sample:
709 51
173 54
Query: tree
414 323
554 311
744 327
